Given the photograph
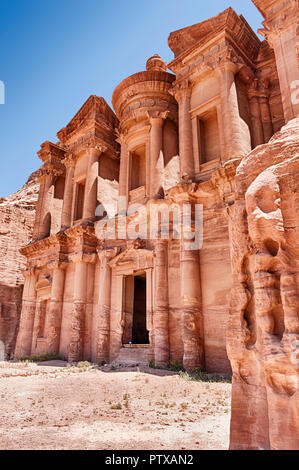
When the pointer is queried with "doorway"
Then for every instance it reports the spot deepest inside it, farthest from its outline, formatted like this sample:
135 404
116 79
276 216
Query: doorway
135 331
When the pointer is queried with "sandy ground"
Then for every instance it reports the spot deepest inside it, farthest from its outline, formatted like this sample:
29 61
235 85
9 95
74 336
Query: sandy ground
53 407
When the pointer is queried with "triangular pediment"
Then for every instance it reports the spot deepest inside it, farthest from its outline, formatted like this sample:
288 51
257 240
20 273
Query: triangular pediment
184 40
138 258
95 111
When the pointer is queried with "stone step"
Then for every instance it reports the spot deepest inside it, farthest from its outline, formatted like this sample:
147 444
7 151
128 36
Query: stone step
132 354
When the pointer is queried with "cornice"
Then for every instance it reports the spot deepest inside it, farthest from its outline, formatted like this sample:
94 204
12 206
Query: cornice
57 240
50 151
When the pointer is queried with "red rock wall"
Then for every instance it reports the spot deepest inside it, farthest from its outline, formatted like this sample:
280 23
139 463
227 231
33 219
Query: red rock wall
263 330
17 214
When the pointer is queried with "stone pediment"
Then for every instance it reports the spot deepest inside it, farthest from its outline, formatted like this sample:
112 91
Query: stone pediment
135 258
94 113
181 42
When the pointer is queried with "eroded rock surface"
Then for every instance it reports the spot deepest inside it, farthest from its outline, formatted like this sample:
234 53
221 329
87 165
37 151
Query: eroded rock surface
17 213
263 332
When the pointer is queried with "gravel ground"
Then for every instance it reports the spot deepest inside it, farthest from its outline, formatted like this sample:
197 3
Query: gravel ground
52 406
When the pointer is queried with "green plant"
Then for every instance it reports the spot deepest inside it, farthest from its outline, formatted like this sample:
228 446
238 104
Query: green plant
126 400
184 375
198 375
42 358
83 365
118 406
176 366
101 363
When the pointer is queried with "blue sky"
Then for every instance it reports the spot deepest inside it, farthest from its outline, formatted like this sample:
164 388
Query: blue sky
55 53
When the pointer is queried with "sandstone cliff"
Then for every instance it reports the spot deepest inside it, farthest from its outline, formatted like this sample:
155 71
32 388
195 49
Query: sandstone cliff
263 331
17 214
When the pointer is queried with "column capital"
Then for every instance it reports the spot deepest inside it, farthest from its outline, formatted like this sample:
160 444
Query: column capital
264 87
107 254
228 60
50 170
226 65
157 117
59 265
121 137
81 257
259 88
69 161
253 90
89 144
94 146
29 272
181 90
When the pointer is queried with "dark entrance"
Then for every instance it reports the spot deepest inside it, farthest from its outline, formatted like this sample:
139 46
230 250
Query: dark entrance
139 332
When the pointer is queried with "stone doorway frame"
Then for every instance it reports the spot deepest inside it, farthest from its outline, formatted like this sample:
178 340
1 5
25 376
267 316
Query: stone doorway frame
129 293
129 263
43 290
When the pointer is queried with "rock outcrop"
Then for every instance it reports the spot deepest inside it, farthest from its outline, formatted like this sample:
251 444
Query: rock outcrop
263 331
17 213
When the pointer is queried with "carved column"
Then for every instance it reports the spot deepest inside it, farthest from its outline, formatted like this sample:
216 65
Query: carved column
191 309
123 176
39 208
55 311
42 228
38 325
78 313
156 147
91 186
24 339
234 145
196 144
265 111
256 119
66 218
104 303
281 31
182 93
161 304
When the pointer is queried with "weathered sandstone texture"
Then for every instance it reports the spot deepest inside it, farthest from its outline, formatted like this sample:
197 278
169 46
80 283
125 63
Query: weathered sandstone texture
96 287
263 330
172 140
17 213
